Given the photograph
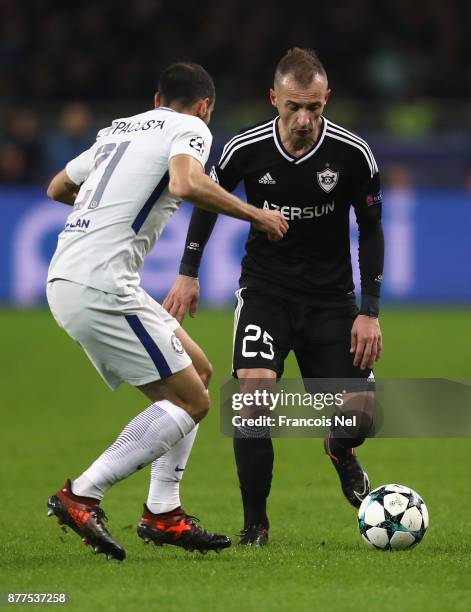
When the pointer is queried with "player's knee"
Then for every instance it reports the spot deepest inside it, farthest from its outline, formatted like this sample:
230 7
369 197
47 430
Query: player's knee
206 373
200 405
358 426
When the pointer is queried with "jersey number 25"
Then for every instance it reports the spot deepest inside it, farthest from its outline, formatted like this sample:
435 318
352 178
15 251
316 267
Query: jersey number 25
254 337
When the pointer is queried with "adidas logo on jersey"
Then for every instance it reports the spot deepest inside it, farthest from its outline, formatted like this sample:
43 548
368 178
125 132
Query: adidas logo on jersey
267 179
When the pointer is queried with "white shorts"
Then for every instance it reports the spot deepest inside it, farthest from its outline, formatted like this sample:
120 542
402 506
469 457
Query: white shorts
128 338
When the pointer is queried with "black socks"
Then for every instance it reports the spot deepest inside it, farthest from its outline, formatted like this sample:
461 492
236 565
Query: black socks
254 460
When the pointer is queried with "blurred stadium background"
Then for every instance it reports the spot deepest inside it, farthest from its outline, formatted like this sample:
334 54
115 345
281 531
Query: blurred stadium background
400 77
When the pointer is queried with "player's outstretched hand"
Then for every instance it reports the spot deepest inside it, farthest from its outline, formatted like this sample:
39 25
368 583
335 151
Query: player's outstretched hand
366 341
272 223
183 297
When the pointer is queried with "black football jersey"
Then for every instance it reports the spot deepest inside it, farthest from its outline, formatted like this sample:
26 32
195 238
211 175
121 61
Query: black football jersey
314 194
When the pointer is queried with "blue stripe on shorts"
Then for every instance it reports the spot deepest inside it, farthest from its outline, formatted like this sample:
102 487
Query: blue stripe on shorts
148 343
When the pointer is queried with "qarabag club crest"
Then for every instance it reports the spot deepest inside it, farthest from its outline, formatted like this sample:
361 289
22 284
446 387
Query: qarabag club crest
327 179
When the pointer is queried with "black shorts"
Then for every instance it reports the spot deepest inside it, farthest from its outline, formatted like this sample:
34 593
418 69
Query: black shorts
267 328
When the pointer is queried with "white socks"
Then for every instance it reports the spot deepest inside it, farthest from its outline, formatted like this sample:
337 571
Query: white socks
166 474
147 437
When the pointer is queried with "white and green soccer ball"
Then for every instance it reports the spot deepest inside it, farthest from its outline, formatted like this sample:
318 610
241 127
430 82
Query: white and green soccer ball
392 517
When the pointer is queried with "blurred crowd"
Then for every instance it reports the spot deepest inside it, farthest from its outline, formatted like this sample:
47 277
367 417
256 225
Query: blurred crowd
29 154
100 49
404 59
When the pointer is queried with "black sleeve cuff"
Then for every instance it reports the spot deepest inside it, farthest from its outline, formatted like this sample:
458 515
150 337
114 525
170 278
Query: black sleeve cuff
369 305
188 270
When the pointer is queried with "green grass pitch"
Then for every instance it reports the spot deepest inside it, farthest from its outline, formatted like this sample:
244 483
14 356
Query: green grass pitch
57 415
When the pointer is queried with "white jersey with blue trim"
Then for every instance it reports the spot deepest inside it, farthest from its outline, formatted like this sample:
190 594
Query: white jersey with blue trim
124 203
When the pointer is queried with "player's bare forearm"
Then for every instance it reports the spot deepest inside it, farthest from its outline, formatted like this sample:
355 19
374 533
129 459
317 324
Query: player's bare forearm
62 189
188 182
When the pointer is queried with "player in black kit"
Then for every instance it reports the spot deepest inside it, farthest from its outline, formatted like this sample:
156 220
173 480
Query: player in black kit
298 294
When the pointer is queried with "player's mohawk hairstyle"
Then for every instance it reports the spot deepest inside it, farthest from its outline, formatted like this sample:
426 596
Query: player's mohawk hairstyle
303 64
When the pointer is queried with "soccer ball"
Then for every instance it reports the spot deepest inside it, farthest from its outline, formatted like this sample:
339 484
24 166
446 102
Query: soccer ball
392 517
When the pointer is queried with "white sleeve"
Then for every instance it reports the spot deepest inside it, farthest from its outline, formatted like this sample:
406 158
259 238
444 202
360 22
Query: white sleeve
78 168
194 141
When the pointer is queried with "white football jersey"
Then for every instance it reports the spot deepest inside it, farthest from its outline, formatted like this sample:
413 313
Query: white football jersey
124 202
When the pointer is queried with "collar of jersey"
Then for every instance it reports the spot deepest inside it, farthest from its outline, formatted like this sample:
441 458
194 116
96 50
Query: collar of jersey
165 108
312 150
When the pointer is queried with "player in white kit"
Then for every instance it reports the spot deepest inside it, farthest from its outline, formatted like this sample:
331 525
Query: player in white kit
123 191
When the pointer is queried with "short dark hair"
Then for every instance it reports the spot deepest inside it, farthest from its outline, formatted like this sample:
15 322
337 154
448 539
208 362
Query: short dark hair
185 83
303 64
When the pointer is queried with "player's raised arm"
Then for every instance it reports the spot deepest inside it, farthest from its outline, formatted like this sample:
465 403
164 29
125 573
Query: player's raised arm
188 182
183 297
202 223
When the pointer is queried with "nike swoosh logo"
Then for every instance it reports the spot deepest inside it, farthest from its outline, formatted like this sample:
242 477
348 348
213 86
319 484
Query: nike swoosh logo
179 469
366 485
